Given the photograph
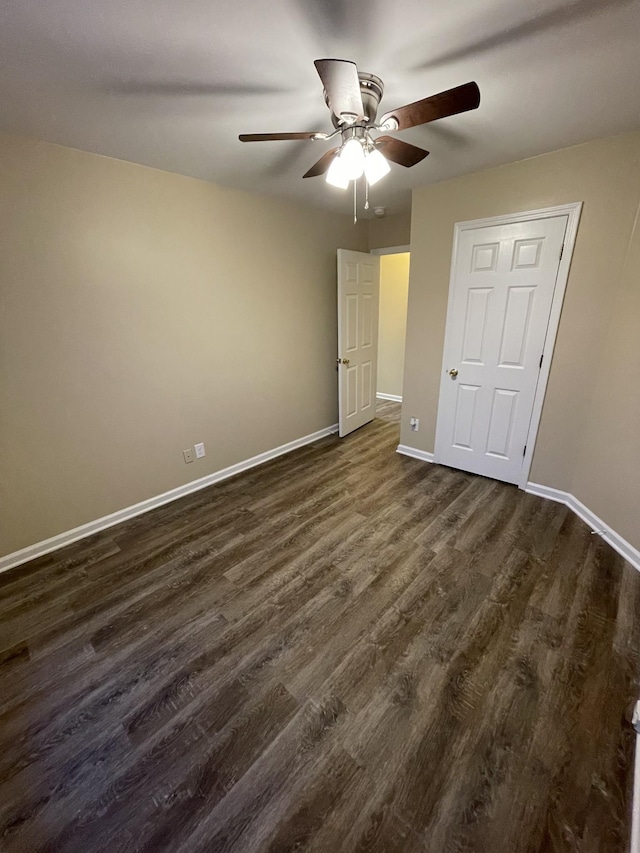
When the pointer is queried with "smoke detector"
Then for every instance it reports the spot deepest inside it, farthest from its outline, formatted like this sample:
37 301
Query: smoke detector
379 212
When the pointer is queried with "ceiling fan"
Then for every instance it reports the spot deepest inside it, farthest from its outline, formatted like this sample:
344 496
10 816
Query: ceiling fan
353 98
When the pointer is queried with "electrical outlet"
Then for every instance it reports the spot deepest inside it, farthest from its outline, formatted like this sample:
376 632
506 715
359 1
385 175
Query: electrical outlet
414 423
188 455
199 449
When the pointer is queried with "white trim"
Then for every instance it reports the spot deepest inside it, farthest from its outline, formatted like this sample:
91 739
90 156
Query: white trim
423 455
572 211
521 216
597 525
84 530
393 397
390 250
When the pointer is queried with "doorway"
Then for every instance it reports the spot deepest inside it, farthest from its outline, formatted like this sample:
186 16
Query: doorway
372 316
394 294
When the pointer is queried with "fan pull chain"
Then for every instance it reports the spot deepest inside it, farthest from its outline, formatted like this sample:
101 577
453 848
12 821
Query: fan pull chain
366 194
355 202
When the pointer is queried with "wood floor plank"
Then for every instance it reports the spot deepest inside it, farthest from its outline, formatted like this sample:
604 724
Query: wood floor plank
272 782
343 649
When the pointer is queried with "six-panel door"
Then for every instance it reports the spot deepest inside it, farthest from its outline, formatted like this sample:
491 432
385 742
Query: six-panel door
502 290
358 299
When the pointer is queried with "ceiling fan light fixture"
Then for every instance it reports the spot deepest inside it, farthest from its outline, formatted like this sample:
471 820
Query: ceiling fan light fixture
352 157
353 98
337 175
390 124
376 166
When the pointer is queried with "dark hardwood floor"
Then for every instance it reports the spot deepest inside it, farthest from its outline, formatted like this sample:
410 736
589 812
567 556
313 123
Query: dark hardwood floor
342 650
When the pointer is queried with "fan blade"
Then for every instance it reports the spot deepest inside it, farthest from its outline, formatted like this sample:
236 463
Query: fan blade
322 165
342 87
449 103
400 152
270 137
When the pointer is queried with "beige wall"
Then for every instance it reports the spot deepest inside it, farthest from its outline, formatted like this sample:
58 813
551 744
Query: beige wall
394 291
390 231
581 401
141 312
607 473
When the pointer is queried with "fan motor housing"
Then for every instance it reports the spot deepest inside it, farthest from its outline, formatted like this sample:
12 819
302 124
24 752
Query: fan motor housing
371 89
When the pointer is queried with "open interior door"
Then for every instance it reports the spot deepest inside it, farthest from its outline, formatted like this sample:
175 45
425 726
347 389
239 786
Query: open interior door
358 301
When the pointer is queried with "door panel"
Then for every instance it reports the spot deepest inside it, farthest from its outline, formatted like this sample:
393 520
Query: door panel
358 300
526 254
475 325
502 290
367 320
484 257
515 332
366 400
351 397
501 423
464 416
351 307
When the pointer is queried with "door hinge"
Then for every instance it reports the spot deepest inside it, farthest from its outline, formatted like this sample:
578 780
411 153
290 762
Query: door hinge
561 251
524 452
541 357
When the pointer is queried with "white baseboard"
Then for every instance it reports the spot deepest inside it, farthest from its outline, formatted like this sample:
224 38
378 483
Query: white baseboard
393 397
69 536
624 548
405 450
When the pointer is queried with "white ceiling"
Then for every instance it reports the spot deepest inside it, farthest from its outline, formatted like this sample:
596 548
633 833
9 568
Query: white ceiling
172 84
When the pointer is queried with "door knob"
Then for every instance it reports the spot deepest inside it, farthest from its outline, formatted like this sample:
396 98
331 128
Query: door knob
453 372
345 361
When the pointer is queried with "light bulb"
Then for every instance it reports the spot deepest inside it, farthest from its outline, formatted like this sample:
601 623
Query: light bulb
337 175
352 156
376 166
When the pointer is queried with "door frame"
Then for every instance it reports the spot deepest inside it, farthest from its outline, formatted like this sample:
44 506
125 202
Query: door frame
390 250
572 211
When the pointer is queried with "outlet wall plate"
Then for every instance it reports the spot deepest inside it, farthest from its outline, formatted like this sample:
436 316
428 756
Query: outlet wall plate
188 455
199 449
414 423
